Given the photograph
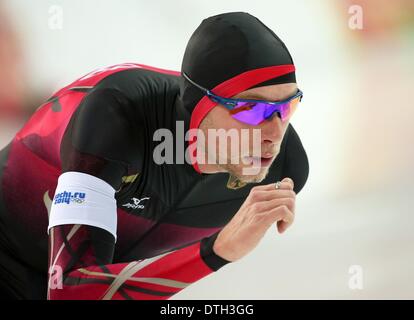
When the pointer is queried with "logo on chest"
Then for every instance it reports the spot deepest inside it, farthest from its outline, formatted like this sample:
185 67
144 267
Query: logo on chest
136 203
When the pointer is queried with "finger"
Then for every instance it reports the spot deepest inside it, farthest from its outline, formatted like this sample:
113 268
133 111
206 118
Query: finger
265 206
281 213
265 187
267 195
285 184
288 182
282 226
263 221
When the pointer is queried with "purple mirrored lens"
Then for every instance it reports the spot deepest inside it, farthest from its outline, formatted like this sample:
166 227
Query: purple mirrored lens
255 113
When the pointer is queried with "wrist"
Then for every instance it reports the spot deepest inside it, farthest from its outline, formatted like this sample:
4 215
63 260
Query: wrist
210 257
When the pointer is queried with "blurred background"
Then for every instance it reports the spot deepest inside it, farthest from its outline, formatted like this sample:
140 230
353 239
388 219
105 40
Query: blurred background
355 65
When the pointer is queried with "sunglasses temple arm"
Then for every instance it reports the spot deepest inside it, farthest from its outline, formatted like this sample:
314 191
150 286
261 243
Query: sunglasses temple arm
195 84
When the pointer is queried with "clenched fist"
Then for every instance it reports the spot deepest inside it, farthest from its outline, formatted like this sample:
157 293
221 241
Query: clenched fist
263 206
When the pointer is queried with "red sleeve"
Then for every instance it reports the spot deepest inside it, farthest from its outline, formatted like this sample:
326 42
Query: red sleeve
80 269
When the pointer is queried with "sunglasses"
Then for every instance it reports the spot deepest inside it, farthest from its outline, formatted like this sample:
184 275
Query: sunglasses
253 112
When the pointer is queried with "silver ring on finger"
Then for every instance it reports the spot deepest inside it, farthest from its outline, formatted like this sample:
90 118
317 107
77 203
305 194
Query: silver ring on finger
278 184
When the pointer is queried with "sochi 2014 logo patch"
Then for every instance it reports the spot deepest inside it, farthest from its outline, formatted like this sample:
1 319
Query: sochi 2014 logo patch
69 197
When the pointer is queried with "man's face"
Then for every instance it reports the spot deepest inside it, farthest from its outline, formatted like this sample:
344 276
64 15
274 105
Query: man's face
268 146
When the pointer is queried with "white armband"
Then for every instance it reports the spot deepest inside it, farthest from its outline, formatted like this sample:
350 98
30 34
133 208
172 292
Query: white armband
84 199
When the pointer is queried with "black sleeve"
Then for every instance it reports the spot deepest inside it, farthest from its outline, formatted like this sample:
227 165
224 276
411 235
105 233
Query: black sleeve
101 137
296 165
208 255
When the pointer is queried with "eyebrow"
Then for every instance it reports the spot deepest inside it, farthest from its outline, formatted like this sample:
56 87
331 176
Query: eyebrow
255 96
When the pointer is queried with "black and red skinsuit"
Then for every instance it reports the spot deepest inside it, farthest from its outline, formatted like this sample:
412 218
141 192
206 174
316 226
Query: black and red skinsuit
168 215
